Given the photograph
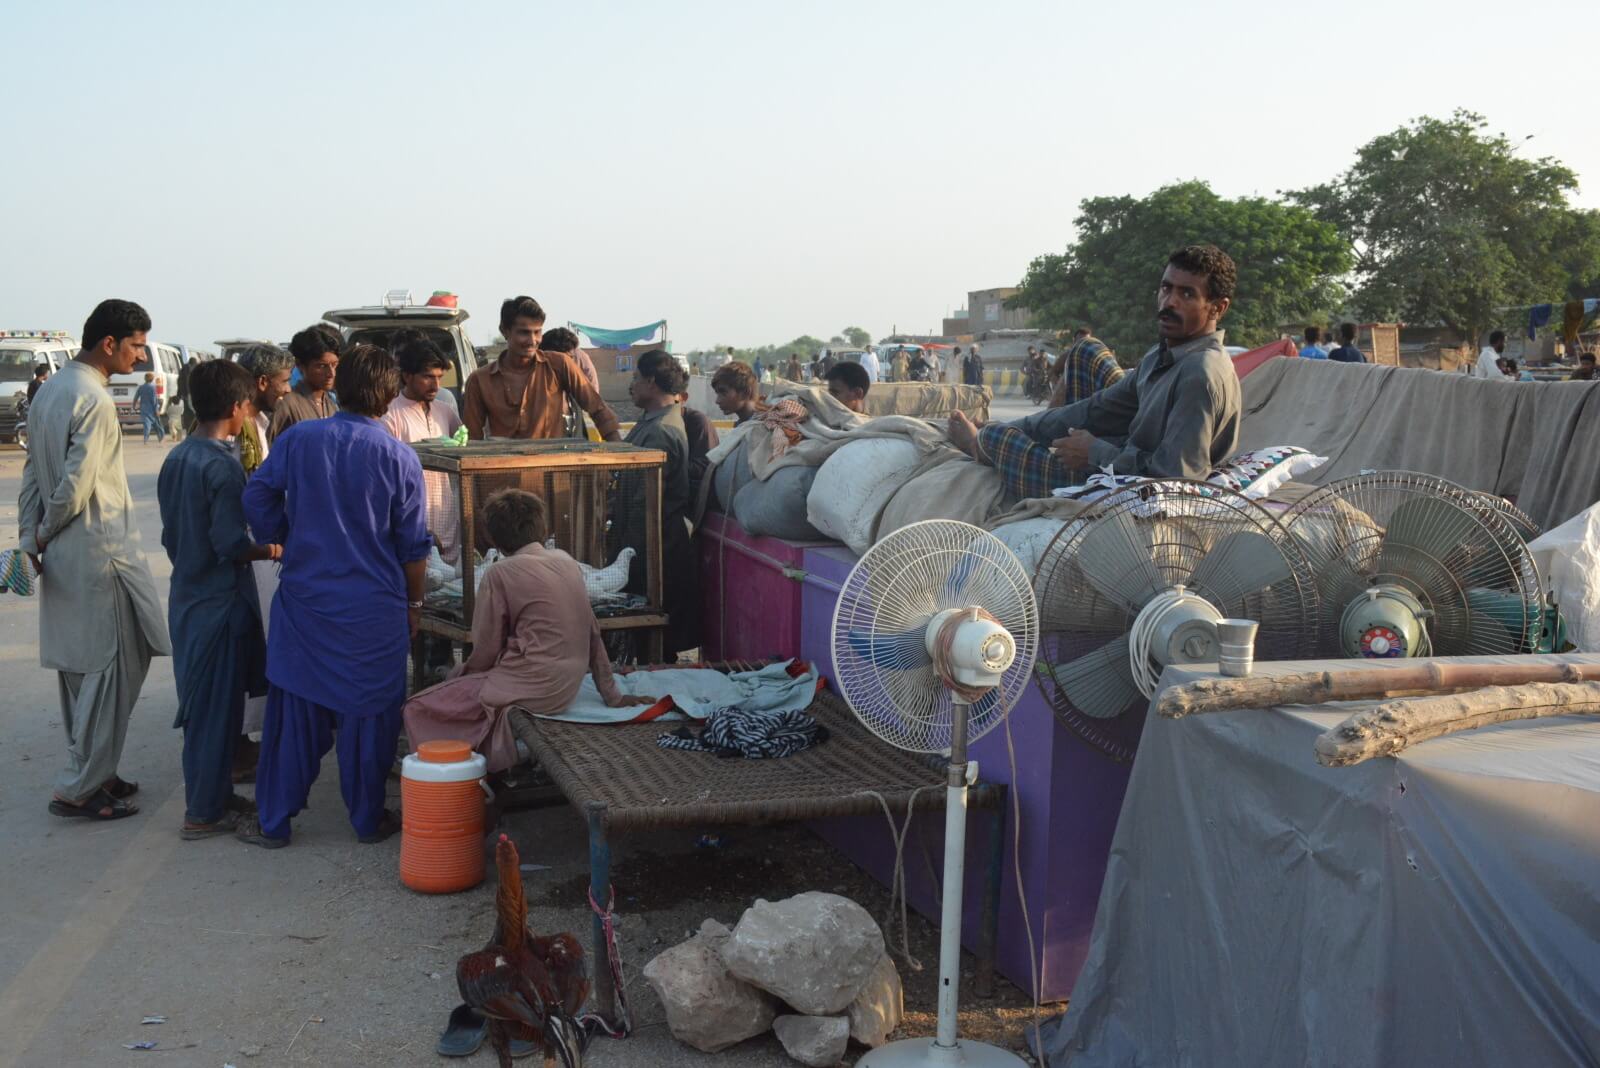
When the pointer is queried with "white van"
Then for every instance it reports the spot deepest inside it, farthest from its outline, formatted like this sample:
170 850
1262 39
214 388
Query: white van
163 359
20 352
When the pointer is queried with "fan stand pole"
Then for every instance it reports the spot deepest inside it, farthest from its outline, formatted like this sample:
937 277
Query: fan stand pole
955 866
945 1051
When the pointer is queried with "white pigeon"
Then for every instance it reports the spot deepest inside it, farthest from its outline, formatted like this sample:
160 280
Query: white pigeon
602 581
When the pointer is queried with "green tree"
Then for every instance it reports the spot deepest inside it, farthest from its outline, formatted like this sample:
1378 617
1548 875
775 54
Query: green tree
857 337
1289 264
1451 226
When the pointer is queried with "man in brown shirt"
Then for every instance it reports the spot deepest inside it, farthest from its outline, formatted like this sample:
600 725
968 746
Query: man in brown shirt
316 354
521 394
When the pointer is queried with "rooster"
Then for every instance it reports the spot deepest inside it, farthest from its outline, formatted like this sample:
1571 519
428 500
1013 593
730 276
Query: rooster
526 987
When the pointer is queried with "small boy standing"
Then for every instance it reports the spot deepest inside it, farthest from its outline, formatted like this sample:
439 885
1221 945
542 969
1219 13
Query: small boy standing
148 407
218 652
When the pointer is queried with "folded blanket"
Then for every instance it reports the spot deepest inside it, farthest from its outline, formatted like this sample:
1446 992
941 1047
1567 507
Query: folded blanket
694 693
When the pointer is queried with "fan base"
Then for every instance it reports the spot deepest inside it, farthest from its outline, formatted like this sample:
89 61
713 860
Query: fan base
914 1052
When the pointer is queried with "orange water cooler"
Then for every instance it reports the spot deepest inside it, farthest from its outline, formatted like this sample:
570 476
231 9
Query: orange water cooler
442 795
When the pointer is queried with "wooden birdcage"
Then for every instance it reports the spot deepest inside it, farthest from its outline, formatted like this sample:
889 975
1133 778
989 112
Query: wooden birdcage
599 497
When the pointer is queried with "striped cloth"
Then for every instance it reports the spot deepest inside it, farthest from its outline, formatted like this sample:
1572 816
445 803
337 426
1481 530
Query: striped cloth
1027 468
758 735
16 573
1083 370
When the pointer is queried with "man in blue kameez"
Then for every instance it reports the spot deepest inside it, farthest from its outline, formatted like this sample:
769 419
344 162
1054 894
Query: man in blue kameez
347 502
218 652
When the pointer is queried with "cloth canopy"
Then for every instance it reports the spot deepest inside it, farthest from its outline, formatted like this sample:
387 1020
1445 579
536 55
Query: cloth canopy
1246 362
619 339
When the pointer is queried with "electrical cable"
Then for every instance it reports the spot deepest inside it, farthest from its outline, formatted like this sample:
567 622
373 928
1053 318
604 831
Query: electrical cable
1143 633
941 653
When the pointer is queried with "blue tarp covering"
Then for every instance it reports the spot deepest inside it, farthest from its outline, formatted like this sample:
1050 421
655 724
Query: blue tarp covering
618 339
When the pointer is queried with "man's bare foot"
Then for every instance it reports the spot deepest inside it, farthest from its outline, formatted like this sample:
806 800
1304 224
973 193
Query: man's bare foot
964 434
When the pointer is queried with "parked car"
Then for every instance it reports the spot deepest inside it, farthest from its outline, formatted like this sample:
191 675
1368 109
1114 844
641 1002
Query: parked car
230 348
20 352
166 361
442 325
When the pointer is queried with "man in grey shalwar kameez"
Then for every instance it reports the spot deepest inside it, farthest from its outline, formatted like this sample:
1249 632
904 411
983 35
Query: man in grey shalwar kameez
100 618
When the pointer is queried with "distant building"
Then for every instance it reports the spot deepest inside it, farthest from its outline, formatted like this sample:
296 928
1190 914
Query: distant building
987 310
957 325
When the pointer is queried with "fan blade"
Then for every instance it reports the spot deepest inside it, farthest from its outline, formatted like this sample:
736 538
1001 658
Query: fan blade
955 583
1116 561
1437 526
1099 684
1239 563
903 650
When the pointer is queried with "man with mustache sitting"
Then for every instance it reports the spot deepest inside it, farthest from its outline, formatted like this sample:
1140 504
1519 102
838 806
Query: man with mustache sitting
1175 416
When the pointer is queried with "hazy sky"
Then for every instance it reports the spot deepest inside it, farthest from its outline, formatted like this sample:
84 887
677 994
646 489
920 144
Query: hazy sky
748 171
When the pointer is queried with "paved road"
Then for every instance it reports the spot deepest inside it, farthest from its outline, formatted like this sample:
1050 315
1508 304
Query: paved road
312 955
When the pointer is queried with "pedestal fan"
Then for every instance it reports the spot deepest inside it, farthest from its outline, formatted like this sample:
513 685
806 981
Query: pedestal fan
933 642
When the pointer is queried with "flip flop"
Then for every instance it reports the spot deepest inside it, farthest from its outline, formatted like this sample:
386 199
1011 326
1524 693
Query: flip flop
249 832
194 832
100 807
464 1034
387 827
120 788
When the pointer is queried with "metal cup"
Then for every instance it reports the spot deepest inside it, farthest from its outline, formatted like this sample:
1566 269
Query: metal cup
1236 640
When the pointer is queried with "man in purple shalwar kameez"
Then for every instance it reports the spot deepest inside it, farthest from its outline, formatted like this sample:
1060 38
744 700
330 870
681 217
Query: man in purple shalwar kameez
346 502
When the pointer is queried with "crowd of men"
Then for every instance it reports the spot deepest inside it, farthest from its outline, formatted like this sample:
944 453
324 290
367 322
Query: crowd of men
294 512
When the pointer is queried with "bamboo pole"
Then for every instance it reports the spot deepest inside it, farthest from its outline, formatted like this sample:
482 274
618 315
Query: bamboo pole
1359 682
1386 729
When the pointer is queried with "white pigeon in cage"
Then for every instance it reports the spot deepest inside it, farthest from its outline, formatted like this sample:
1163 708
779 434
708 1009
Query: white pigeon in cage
603 581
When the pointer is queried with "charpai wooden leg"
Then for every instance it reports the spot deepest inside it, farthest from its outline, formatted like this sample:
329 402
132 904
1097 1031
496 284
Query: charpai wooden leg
605 994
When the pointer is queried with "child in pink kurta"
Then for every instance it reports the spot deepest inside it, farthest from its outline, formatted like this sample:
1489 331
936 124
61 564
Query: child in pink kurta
534 639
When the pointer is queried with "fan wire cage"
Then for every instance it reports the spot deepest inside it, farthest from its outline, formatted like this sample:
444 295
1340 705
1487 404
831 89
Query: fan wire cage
1457 551
880 655
1096 576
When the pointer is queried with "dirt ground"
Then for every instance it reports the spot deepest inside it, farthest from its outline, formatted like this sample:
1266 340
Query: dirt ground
315 954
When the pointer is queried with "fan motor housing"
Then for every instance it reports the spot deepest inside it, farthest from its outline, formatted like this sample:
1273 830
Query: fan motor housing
1385 622
1187 632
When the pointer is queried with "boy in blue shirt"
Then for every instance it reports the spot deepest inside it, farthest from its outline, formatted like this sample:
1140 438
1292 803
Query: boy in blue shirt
1311 350
218 653
148 407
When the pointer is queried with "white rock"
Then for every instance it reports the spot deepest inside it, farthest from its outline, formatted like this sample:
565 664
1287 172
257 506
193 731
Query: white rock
877 1010
814 950
816 1041
706 1007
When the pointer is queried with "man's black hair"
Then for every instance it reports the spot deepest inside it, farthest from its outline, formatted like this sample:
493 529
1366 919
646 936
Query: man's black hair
514 308
1347 333
367 380
114 319
1083 331
658 367
1497 338
559 340
515 518
416 355
1211 261
309 344
216 386
41 369
1511 365
1313 335
853 375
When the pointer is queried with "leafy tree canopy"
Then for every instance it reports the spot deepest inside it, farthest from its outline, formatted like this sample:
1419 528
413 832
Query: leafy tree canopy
1289 264
1451 226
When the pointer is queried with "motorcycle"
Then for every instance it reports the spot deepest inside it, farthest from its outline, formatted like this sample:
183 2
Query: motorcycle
1036 386
21 433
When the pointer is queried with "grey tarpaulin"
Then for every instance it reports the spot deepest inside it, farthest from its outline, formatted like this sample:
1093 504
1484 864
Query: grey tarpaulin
1437 908
1536 441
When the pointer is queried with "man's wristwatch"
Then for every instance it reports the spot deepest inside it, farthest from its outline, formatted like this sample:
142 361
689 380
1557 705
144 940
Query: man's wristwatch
414 604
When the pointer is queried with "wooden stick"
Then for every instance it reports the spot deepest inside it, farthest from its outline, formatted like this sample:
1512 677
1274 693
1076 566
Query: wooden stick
1386 729
1359 682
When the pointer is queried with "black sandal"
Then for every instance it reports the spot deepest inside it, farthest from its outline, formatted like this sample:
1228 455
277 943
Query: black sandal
100 807
387 827
120 788
249 832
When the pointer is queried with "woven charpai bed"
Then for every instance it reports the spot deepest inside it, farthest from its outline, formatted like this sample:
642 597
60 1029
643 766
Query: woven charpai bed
620 780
